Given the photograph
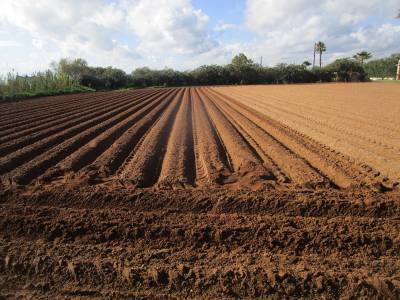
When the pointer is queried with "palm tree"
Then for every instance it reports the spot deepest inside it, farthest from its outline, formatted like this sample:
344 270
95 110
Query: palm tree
320 47
363 55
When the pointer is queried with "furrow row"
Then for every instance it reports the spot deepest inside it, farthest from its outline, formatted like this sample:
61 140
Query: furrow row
212 162
64 130
247 165
45 117
89 153
37 166
352 118
338 168
178 168
144 167
378 145
110 161
172 139
41 148
289 165
57 103
20 109
34 133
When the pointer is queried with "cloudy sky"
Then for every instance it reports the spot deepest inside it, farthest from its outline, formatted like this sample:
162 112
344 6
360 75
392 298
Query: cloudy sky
184 34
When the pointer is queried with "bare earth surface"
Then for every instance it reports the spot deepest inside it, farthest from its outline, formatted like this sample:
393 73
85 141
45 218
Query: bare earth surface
360 120
219 192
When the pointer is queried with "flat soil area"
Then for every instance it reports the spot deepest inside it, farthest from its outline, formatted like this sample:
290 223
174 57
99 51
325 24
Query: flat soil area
206 192
360 120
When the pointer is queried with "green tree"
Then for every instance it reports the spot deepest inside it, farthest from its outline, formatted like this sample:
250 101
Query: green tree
293 74
243 69
208 75
74 68
320 47
114 78
362 56
306 64
345 68
241 61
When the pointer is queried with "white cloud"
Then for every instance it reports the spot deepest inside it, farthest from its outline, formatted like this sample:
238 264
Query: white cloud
169 26
270 15
286 30
108 16
65 28
9 43
222 26
174 33
132 32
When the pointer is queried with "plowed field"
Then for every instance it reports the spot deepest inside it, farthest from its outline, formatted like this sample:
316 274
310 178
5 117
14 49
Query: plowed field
266 191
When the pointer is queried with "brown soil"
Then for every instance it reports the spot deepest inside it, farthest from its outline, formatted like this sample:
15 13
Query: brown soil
359 120
189 193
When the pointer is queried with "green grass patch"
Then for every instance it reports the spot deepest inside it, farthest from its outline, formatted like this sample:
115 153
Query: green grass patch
31 95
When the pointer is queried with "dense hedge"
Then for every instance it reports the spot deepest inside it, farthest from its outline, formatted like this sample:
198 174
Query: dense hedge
240 71
384 67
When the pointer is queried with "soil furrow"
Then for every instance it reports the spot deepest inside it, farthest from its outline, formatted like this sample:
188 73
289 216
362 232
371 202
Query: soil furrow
45 113
337 132
178 166
87 154
58 103
373 145
332 112
294 166
52 119
32 152
120 151
144 167
247 166
22 138
212 164
268 162
16 120
337 168
20 143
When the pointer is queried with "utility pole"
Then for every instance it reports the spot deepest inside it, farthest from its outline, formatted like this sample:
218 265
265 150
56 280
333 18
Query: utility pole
398 71
261 61
315 46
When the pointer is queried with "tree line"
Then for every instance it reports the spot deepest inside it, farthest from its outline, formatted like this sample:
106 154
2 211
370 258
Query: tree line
69 75
241 70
